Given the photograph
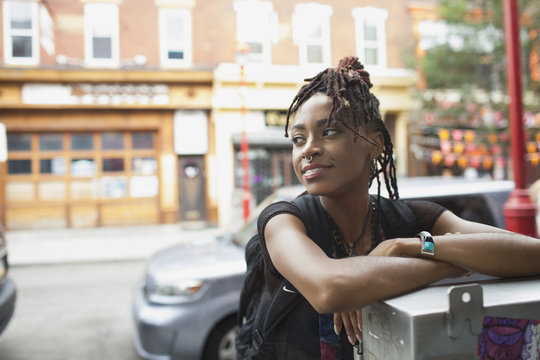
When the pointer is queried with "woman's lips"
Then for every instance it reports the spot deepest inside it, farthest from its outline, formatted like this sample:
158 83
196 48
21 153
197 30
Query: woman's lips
312 171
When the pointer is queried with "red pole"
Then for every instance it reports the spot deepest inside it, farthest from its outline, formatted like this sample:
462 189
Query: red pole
519 210
244 147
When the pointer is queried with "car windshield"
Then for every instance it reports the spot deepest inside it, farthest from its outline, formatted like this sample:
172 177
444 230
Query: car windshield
242 236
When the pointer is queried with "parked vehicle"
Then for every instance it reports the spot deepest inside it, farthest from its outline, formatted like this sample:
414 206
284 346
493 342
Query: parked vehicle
7 286
185 305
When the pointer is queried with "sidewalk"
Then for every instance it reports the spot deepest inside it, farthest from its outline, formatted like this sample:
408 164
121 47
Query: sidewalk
52 246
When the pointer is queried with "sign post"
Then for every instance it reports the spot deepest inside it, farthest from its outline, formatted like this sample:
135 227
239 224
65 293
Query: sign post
519 210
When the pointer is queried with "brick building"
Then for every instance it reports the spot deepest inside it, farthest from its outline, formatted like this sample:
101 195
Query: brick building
121 112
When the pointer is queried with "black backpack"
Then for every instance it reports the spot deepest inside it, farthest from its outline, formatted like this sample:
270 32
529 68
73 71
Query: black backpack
263 303
261 308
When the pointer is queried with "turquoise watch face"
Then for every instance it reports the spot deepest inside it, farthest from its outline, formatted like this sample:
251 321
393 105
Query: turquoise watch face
428 246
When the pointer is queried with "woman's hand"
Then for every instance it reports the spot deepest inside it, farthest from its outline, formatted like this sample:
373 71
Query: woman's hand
352 321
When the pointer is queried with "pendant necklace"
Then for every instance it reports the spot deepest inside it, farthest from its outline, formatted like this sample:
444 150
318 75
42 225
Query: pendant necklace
352 245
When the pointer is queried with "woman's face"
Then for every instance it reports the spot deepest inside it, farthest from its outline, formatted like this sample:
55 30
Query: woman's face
340 165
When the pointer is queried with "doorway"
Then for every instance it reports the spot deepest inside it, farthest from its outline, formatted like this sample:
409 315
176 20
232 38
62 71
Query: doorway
192 188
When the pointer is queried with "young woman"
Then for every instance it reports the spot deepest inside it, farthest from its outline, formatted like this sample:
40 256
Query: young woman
340 145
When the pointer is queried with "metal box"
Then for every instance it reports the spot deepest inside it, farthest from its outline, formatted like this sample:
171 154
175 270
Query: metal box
485 319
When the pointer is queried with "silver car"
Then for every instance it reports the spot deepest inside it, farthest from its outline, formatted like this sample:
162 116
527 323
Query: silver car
185 306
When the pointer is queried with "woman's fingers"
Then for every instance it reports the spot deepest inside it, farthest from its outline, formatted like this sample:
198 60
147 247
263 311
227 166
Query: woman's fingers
352 322
338 323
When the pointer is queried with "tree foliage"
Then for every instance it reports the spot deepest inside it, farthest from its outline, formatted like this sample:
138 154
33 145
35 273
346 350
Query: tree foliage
474 53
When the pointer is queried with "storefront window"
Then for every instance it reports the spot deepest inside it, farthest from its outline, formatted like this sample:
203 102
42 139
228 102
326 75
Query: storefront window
23 166
52 166
52 190
112 141
19 142
143 186
50 142
144 165
83 167
83 189
20 191
111 165
142 140
82 141
113 187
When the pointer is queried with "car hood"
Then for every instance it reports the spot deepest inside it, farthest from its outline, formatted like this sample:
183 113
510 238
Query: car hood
202 259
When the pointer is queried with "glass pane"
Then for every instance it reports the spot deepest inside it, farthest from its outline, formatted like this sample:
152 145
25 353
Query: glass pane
113 187
314 31
102 48
115 164
112 141
83 167
175 55
20 190
19 166
82 142
314 54
370 30
52 166
21 46
52 190
175 28
83 189
142 140
143 186
21 16
19 142
372 57
50 142
255 47
144 165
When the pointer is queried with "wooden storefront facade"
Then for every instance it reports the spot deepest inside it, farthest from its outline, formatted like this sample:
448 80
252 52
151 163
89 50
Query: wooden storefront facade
97 148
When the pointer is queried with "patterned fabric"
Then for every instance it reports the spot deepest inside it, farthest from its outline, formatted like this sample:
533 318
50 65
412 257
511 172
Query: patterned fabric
330 345
509 339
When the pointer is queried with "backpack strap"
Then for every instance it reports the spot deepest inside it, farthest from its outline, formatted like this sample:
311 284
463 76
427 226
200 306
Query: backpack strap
282 301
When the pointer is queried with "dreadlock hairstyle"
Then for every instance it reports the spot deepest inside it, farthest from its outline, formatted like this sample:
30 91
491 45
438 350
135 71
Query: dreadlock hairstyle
348 86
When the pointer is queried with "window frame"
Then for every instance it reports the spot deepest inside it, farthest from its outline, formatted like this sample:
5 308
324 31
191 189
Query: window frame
93 13
9 33
263 10
309 13
379 16
165 14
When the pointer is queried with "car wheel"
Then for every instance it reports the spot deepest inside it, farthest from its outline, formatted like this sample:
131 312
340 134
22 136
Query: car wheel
220 344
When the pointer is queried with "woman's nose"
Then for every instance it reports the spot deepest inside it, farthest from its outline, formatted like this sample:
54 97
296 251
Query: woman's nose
311 147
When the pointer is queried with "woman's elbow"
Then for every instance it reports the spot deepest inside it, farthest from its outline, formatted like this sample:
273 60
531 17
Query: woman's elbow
334 295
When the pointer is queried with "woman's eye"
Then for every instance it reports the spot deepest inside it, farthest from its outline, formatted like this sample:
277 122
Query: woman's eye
330 132
297 139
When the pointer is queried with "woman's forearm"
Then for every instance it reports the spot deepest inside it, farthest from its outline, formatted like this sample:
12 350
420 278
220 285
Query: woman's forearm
501 254
358 281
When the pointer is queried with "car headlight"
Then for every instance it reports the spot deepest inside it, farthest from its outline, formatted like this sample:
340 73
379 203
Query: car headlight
180 288
167 292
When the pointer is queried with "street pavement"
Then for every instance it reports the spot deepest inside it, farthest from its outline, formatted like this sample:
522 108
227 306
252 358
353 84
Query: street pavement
57 246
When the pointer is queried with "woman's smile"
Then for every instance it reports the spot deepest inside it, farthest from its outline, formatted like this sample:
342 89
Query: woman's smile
313 171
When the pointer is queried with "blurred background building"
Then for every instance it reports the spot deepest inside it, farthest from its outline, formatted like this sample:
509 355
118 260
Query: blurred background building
132 112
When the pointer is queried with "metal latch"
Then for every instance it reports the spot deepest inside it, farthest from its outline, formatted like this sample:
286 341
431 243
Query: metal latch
466 304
